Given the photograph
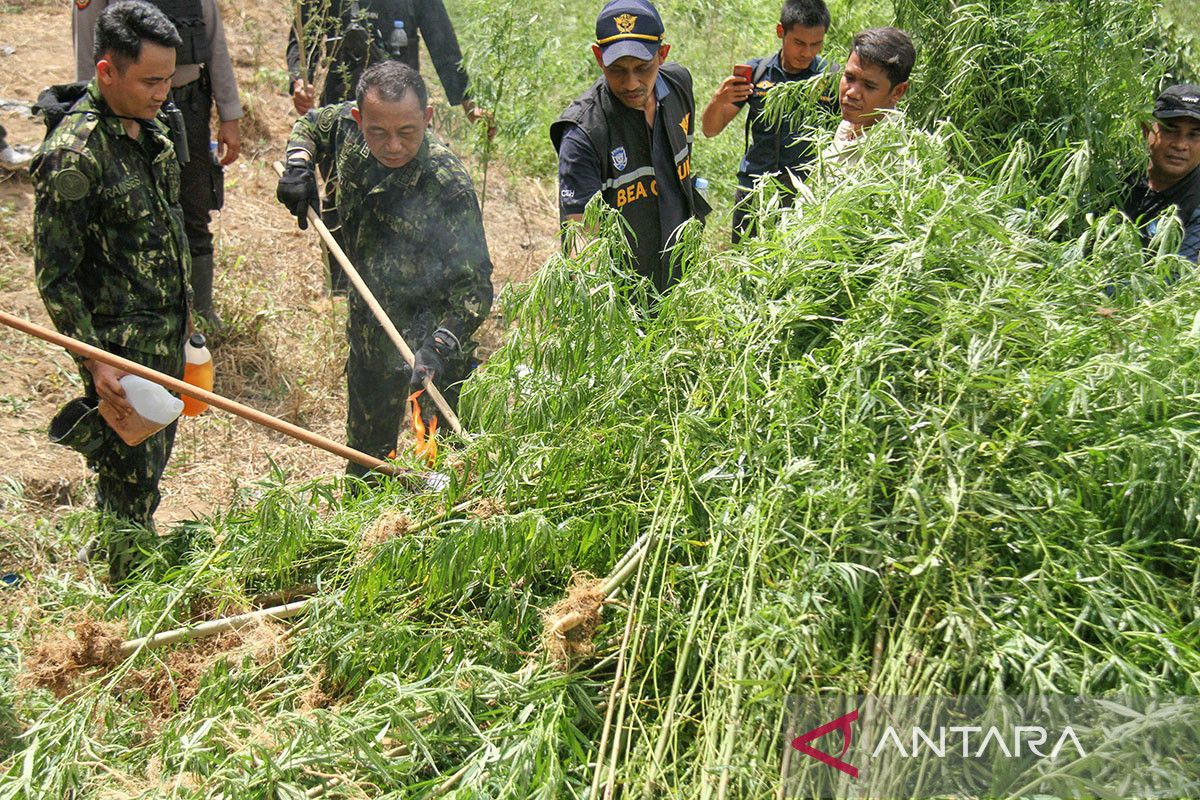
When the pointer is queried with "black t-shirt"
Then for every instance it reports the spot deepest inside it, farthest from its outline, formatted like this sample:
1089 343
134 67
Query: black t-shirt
774 149
1143 205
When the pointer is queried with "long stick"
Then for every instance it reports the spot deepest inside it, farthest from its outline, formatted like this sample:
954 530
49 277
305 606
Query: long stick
232 406
214 627
365 292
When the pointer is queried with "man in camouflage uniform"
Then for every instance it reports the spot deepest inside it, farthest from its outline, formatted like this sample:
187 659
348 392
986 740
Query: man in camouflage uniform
354 34
204 75
413 229
111 256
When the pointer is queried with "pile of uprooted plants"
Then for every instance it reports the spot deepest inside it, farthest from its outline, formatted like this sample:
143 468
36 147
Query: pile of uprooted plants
935 432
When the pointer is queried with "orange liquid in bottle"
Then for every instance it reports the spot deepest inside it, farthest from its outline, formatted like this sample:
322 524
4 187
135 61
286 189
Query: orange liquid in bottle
198 371
200 375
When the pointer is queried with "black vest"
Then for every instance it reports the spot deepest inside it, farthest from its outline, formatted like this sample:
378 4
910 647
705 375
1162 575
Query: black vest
188 18
620 137
379 17
389 11
1142 205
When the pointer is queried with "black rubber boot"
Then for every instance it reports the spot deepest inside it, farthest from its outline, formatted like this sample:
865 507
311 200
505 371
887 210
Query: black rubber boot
202 294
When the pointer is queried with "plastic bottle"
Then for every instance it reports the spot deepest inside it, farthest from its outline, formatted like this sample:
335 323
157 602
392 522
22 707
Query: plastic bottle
154 409
150 400
198 371
398 40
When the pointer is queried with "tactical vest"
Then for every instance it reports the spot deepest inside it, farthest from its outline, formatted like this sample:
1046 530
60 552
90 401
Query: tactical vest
381 16
621 139
188 18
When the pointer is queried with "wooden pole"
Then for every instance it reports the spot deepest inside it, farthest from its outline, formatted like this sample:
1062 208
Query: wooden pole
232 406
214 627
364 291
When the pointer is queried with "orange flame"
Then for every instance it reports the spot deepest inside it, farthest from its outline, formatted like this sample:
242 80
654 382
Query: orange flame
426 444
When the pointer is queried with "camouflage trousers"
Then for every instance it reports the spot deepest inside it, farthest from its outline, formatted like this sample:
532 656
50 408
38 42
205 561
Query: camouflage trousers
127 477
377 379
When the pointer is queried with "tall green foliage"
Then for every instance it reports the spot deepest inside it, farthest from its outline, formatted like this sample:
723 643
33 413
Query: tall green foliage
888 447
1050 75
891 446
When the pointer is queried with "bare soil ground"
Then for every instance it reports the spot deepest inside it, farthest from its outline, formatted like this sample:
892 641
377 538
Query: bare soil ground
284 350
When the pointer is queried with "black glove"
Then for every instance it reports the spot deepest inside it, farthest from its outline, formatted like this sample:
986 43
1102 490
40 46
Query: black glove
297 189
430 361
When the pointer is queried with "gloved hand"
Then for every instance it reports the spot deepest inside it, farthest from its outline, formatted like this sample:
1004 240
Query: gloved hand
297 189
429 362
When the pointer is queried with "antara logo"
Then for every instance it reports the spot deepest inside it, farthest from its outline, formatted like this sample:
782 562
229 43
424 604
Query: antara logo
938 742
842 724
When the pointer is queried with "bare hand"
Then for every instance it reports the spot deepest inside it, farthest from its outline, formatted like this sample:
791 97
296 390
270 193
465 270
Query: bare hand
478 114
303 96
108 385
229 142
734 90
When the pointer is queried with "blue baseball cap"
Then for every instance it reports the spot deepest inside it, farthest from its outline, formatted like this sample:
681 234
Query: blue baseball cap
629 28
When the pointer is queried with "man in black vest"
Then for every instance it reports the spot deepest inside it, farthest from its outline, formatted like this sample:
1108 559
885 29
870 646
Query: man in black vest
203 74
1173 177
629 138
354 34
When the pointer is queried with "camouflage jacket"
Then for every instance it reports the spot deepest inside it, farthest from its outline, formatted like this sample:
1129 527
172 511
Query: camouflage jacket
110 253
415 234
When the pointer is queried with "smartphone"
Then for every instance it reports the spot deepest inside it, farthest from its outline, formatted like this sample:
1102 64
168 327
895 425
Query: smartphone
743 71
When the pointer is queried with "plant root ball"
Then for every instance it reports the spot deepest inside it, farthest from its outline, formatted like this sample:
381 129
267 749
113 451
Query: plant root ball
390 525
57 661
571 623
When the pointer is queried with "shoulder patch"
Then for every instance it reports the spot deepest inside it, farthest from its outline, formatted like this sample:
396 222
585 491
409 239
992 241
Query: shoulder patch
70 184
326 118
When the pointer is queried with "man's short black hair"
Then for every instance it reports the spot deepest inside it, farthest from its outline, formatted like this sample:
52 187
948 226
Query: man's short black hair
890 49
123 27
805 13
391 81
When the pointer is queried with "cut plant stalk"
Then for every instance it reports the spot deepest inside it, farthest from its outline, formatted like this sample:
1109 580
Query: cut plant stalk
385 322
214 627
625 566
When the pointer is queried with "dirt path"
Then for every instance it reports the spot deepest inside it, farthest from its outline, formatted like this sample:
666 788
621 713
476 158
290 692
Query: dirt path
285 349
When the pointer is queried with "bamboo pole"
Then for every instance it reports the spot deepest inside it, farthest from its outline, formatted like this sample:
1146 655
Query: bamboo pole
214 627
368 296
215 400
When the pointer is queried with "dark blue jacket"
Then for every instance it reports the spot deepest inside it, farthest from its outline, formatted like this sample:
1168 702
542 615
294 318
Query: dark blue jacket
774 149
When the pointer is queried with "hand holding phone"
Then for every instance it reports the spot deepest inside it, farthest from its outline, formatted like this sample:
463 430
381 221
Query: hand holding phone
736 89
